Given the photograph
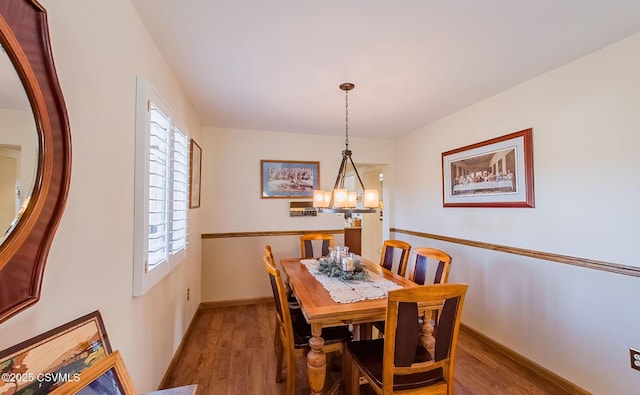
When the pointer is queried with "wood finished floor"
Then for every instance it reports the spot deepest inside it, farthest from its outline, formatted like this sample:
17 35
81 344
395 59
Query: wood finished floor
230 352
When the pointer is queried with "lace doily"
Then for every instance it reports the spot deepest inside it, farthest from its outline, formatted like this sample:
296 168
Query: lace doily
353 291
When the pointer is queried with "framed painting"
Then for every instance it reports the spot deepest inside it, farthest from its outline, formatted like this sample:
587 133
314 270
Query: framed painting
40 364
195 173
491 173
109 376
288 179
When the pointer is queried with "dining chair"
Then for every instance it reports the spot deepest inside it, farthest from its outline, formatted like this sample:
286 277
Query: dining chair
291 298
421 266
306 244
420 272
399 363
294 307
293 335
389 250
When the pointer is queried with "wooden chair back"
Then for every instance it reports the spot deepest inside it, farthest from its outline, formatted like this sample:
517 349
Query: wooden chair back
306 244
268 252
283 314
402 343
291 299
421 265
389 250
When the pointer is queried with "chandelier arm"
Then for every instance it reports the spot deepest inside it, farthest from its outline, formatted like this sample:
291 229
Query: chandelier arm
340 177
357 174
341 174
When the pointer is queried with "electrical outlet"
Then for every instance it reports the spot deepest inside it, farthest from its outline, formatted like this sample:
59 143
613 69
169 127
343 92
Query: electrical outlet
188 294
635 359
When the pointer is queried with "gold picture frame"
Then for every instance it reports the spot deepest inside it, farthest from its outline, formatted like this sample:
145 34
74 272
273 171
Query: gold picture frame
107 376
195 174
36 365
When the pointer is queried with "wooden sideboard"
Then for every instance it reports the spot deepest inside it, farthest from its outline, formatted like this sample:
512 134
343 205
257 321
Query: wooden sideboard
353 239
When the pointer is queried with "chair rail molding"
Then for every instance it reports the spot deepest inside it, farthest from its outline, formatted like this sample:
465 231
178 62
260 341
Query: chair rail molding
268 233
547 256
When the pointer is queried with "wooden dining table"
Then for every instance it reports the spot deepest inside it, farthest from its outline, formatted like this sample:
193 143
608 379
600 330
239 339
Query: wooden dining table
321 311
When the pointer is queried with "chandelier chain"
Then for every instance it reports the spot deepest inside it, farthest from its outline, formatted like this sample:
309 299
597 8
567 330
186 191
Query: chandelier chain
346 119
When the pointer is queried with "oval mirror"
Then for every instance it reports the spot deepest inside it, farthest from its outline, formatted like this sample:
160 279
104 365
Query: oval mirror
24 245
18 147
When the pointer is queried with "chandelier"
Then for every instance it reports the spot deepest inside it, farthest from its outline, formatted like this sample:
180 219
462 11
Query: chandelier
340 200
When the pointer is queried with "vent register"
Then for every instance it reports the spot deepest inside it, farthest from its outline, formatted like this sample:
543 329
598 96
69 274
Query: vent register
302 209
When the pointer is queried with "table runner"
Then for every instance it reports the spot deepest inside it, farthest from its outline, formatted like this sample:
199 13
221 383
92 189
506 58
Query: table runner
343 291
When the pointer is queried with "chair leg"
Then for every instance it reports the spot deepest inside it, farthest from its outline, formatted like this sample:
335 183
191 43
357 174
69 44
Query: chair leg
279 348
276 340
291 373
351 375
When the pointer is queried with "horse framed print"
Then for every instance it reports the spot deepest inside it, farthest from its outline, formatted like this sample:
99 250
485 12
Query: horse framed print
288 179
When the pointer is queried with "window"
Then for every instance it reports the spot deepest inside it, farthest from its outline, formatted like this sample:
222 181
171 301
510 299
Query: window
161 189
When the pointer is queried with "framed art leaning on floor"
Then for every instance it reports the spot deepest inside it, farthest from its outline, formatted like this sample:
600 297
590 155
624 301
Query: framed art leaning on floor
109 377
491 173
40 364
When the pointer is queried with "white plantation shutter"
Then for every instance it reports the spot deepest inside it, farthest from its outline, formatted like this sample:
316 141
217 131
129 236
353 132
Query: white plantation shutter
162 169
159 181
179 192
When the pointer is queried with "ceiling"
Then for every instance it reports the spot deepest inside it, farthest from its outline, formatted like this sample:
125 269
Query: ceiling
276 65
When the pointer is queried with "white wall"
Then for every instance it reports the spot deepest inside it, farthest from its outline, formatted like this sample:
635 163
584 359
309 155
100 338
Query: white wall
576 322
372 232
231 163
99 49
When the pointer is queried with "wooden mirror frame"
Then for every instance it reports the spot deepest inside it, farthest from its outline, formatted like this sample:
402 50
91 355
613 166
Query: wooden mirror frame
24 34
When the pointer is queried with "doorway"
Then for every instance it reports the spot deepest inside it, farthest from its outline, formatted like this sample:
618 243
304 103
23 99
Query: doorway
372 234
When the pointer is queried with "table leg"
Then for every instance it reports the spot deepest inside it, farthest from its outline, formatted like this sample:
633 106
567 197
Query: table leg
316 360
